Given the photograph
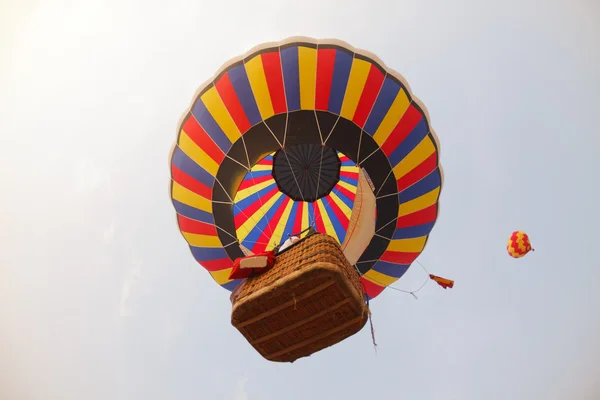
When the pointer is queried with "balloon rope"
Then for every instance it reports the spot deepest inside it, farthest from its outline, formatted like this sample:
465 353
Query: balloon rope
261 201
241 211
257 193
368 311
371 325
411 292
320 216
293 174
251 217
319 176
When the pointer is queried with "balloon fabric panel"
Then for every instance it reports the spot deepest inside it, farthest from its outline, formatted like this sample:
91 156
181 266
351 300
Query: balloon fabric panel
304 92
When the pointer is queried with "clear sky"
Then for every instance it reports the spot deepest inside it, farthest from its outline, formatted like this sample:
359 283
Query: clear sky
101 299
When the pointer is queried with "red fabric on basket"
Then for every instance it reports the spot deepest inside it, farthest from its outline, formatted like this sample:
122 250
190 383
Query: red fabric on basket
240 273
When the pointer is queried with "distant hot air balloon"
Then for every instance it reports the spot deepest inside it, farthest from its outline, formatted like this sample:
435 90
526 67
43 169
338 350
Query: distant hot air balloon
518 244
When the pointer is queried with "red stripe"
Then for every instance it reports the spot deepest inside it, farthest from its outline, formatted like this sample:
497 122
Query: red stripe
371 289
265 161
399 257
232 103
325 64
272 66
202 140
368 96
298 220
249 211
338 213
409 120
418 218
271 225
346 192
319 220
217 265
196 227
190 183
418 173
349 174
344 158
246 183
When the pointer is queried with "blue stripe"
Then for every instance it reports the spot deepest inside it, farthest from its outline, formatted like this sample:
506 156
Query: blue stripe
409 143
242 205
256 174
261 227
351 181
348 163
211 127
311 214
389 269
425 185
335 221
189 166
339 81
193 213
413 231
208 253
291 77
343 197
384 101
231 285
241 85
289 226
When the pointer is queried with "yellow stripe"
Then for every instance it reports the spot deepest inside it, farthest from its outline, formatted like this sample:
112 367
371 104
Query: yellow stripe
326 220
254 218
349 168
197 240
345 209
396 111
356 83
250 190
260 167
414 245
244 231
258 82
348 186
378 278
190 148
419 203
278 232
221 276
305 221
307 69
217 109
414 158
190 198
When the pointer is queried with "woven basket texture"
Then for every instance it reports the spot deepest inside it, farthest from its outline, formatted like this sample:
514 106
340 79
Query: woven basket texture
311 299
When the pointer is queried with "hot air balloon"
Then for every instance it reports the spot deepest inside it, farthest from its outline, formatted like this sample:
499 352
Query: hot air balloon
317 140
518 244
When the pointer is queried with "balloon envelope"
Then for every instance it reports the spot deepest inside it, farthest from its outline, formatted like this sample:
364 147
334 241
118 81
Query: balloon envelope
273 143
518 244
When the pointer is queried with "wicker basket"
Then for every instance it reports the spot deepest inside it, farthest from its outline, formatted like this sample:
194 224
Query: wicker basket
311 299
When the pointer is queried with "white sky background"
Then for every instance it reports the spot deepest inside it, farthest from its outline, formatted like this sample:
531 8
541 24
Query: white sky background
101 299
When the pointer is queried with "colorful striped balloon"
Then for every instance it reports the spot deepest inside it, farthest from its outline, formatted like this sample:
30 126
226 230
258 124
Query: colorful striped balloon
518 244
286 101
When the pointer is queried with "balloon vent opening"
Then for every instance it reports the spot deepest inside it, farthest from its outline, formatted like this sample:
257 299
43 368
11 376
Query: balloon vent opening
306 172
